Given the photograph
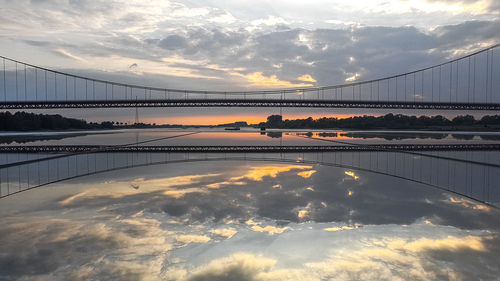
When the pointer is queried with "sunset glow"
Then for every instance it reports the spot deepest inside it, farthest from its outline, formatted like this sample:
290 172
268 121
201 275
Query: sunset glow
231 118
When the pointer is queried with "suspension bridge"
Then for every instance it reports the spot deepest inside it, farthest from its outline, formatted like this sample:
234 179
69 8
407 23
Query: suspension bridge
470 82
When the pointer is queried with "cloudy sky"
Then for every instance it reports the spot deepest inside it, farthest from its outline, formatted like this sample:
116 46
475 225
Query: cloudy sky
242 44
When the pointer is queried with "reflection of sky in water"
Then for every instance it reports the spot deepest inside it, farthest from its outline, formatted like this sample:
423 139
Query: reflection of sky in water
247 136
232 220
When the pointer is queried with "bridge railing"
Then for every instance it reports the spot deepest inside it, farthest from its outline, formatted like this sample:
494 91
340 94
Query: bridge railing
473 78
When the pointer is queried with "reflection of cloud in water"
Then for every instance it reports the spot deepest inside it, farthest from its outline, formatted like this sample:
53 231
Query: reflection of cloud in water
239 266
116 189
178 193
303 214
449 243
408 260
352 174
384 258
306 174
258 173
469 204
200 198
199 232
217 185
54 249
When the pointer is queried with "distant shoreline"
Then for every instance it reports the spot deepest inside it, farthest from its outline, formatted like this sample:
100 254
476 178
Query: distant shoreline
33 123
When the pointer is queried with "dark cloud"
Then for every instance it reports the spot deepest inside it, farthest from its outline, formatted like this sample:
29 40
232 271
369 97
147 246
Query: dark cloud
325 53
467 33
37 43
173 42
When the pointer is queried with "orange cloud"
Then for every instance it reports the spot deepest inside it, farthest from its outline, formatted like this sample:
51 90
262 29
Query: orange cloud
269 229
306 78
258 79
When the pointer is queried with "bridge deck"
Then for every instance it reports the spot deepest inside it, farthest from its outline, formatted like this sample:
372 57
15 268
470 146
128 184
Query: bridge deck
245 149
314 103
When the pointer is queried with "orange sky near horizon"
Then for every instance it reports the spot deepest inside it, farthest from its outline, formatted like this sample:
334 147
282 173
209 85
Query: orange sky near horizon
210 119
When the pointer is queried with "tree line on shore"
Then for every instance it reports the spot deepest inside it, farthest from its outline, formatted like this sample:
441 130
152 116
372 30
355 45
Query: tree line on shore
388 121
23 121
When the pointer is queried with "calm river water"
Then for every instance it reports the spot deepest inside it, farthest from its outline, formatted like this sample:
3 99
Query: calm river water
379 215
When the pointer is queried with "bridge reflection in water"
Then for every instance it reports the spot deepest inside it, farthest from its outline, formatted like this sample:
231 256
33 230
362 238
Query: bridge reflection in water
473 174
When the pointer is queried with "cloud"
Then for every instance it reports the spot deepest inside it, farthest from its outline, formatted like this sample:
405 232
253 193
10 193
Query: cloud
352 78
334 229
223 18
474 6
173 42
306 78
269 21
67 54
269 229
258 79
224 232
190 238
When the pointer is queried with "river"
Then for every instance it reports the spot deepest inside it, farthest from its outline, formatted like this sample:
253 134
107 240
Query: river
378 215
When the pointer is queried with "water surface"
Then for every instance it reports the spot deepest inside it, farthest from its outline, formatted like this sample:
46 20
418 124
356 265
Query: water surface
299 216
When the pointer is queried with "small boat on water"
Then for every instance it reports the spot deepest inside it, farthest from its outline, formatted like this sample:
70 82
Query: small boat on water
232 129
